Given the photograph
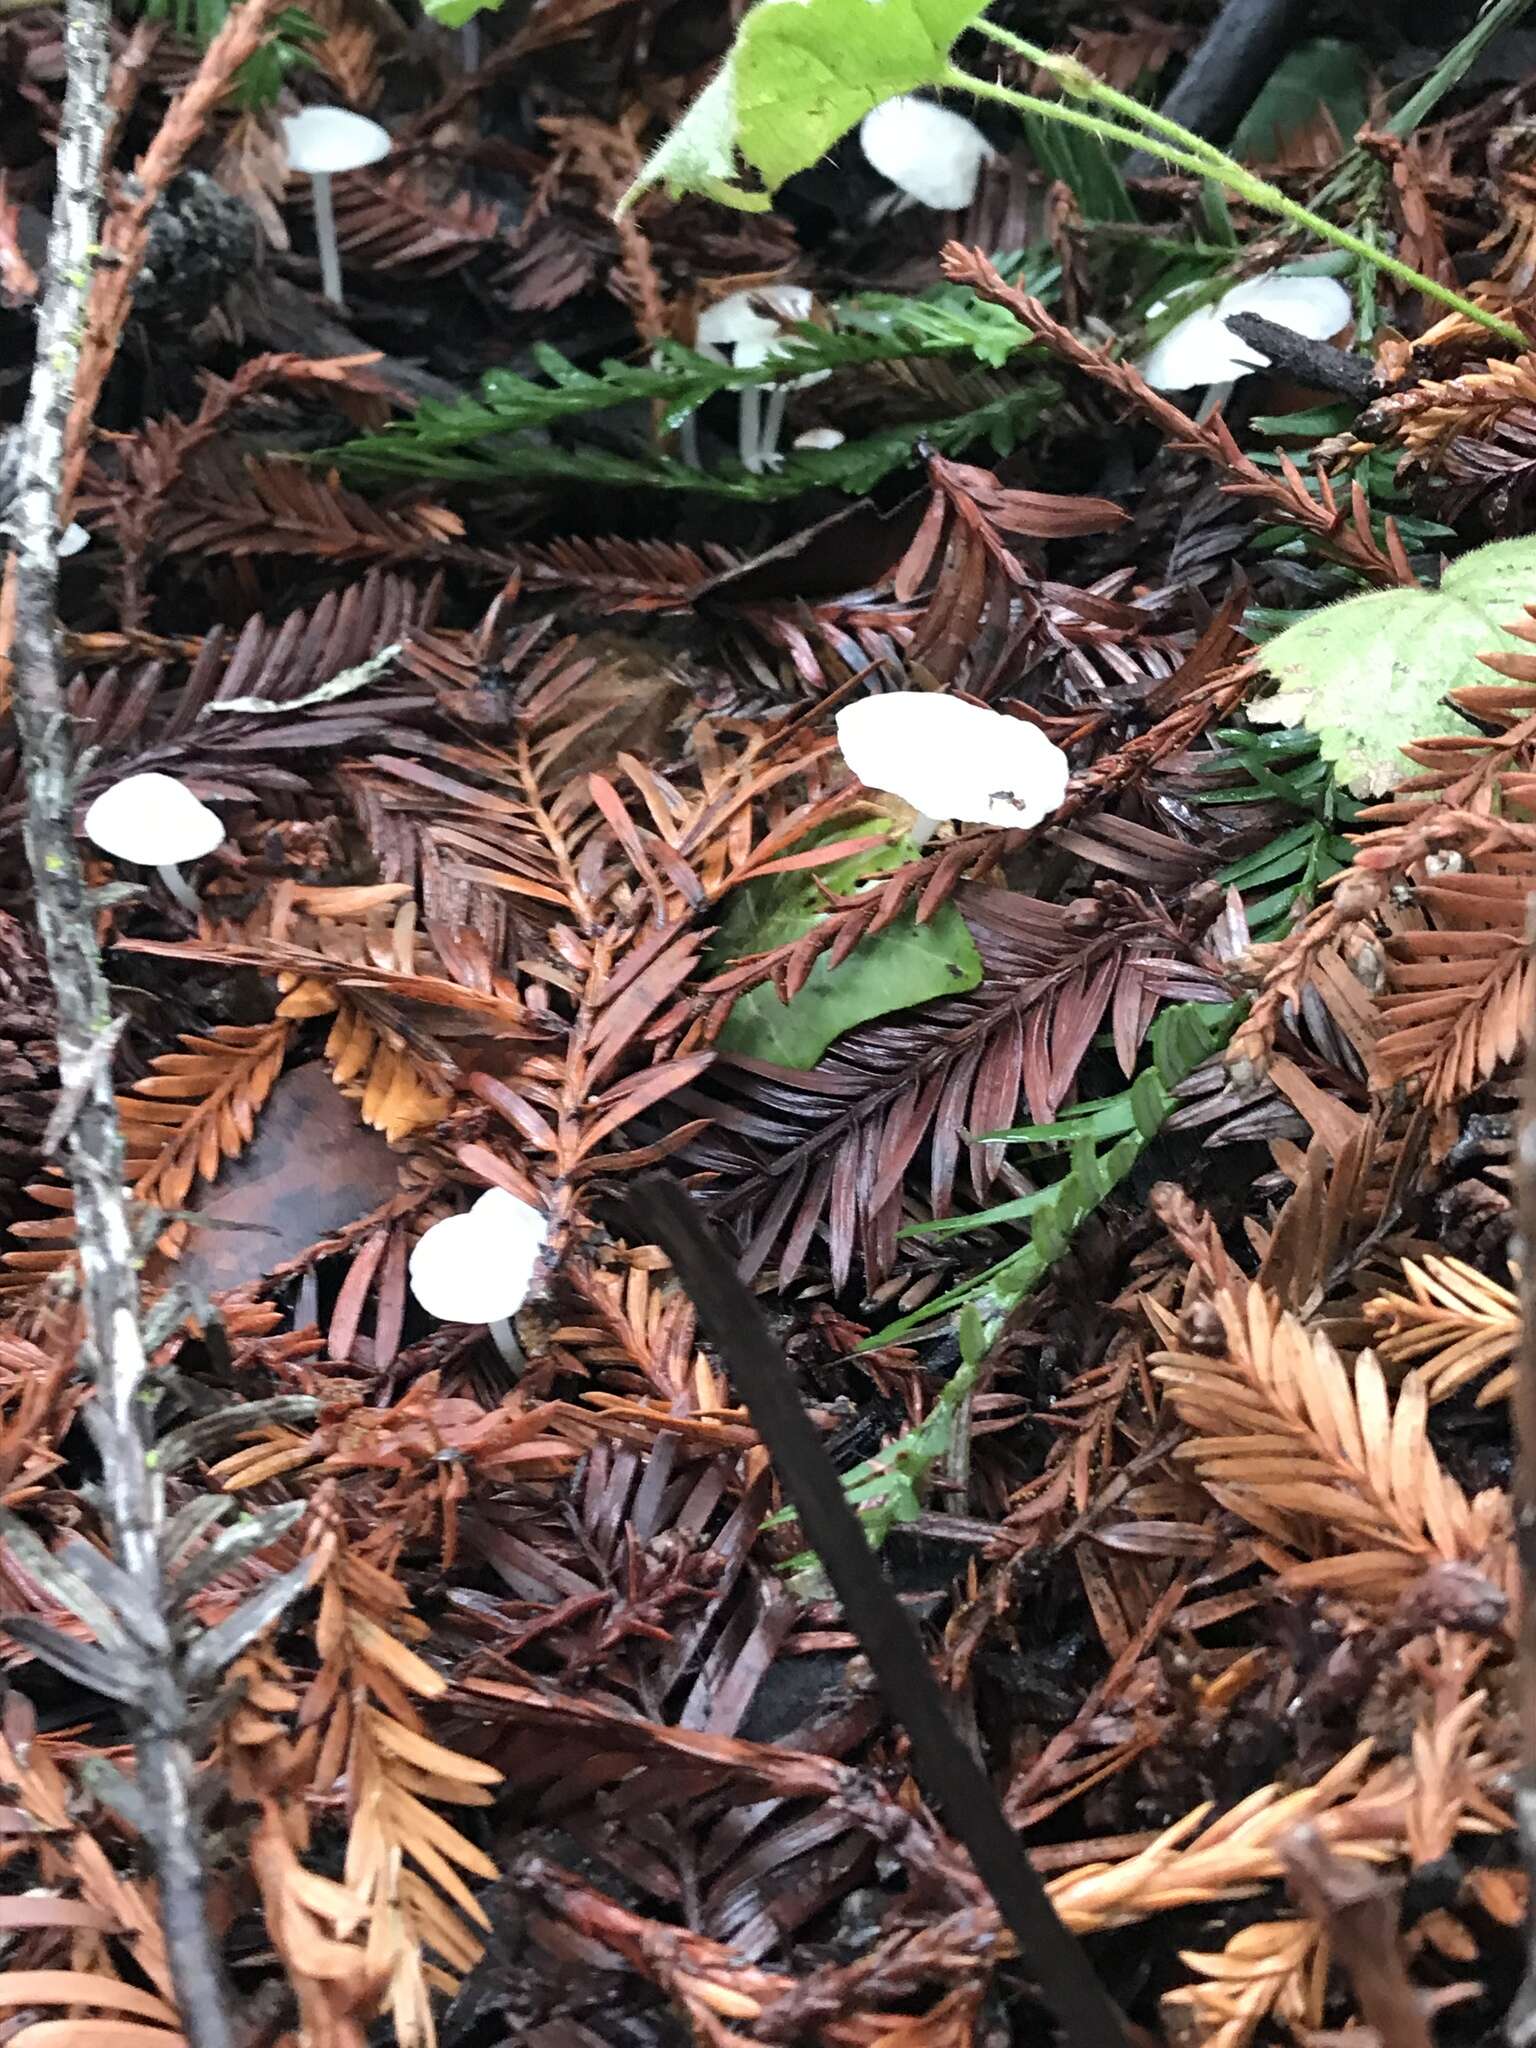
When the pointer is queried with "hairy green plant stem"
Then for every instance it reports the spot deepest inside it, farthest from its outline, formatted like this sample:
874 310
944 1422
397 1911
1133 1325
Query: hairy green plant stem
1188 152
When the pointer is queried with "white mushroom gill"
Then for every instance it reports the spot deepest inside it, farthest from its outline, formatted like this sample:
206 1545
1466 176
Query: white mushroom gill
478 1267
319 142
950 759
157 822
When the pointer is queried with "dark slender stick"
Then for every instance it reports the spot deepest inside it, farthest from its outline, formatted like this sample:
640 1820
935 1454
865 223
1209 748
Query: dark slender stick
1083 2009
113 1350
1313 362
1221 81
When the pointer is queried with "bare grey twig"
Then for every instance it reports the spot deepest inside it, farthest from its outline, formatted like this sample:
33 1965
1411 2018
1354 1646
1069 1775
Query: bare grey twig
151 1680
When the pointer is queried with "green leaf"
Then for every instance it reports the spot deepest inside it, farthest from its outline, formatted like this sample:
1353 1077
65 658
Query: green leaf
799 75
1372 672
1324 73
906 964
454 13
259 79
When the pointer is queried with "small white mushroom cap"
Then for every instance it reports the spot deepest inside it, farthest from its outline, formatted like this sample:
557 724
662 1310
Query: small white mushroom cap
152 819
818 439
478 1267
932 153
323 140
73 539
753 317
1202 349
950 759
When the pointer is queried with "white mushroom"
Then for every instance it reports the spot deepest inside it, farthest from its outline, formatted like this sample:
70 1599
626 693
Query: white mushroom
1202 349
321 141
73 539
931 153
819 440
479 1267
754 336
950 759
156 821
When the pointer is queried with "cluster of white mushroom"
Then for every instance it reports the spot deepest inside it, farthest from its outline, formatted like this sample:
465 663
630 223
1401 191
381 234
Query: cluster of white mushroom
946 758
478 1267
934 158
747 329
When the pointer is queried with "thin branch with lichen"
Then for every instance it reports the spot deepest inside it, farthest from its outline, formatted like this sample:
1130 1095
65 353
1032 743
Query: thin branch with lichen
119 1417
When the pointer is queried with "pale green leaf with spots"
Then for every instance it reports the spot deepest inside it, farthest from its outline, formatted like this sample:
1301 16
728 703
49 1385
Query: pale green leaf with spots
1371 673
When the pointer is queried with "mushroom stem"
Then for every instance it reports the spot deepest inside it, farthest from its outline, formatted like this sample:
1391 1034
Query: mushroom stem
1215 399
773 426
922 829
177 885
750 429
469 45
325 236
504 1337
688 442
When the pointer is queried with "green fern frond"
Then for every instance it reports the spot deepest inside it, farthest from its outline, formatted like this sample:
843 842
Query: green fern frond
1103 1140
1285 767
887 1490
498 435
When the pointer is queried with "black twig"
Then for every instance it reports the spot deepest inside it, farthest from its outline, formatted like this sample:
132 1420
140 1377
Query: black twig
113 1349
1357 1910
1312 362
1083 2009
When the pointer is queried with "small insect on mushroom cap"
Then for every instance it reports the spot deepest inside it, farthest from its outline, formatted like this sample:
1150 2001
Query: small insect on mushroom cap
323 140
950 759
479 1266
932 153
154 820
